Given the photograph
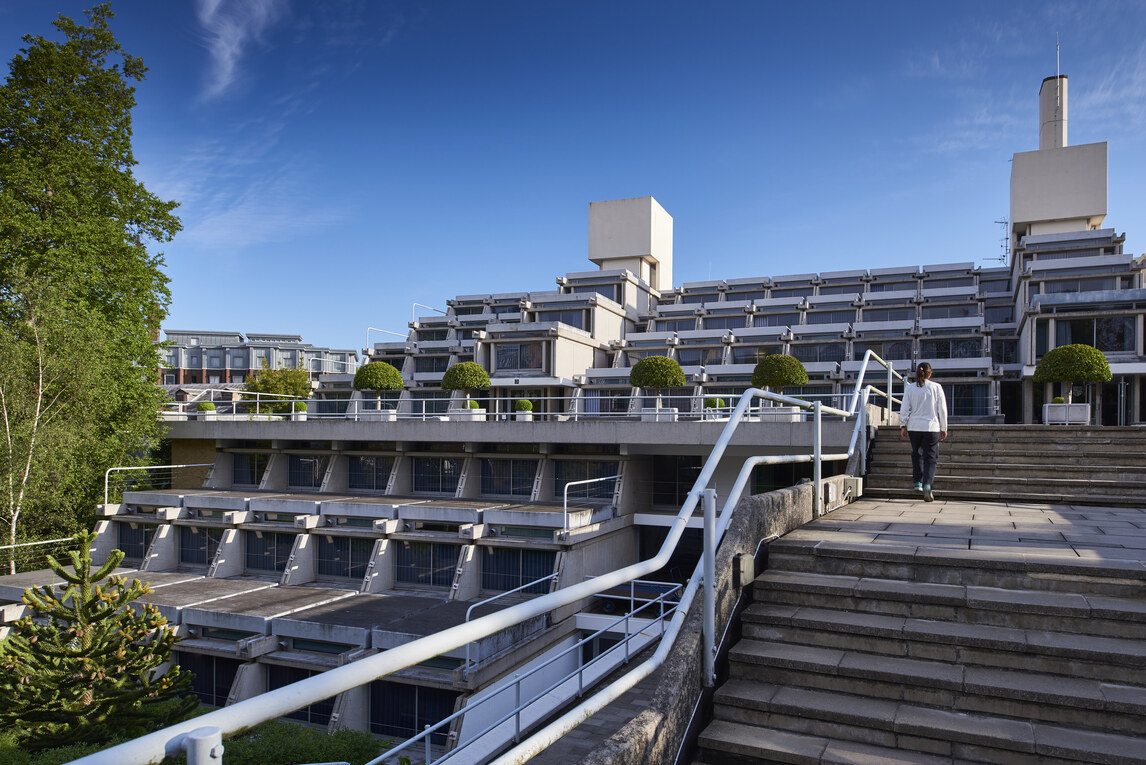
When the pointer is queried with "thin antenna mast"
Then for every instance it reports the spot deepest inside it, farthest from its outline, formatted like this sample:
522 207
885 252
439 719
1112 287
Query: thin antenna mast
1058 75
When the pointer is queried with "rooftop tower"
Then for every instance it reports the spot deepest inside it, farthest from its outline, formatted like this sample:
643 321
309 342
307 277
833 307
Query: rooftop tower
635 234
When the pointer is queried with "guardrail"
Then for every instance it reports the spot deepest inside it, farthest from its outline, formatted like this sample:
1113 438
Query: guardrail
25 556
199 738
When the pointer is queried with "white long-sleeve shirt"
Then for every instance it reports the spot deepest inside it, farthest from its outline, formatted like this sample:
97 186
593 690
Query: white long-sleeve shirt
924 408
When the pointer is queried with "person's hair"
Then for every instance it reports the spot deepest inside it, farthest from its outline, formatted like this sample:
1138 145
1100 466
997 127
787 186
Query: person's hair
925 367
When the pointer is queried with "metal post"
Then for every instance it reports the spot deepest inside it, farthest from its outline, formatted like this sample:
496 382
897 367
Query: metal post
889 407
861 415
818 500
204 746
709 648
427 732
517 709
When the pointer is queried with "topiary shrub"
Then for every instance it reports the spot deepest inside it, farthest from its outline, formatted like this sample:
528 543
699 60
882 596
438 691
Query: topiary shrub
300 406
378 375
1071 364
656 372
467 375
205 406
714 403
777 371
474 405
1058 400
523 405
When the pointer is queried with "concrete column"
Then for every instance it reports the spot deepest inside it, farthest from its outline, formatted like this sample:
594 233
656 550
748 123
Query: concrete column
229 557
163 555
467 579
300 567
275 476
380 572
250 681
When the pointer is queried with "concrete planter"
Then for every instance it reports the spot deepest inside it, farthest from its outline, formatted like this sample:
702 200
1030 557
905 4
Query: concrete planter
467 415
523 416
780 414
661 414
207 416
1066 414
298 416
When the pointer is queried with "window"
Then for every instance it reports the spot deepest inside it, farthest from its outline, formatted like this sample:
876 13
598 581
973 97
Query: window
1005 351
426 563
134 541
519 356
751 354
726 322
197 546
749 295
968 399
567 471
905 286
437 475
279 677
691 357
963 348
888 314
507 478
605 290
1110 333
401 710
935 283
777 320
780 292
998 314
369 473
1081 285
437 363
306 471
888 350
347 557
507 568
267 551
810 352
1041 339
948 311
700 297
432 335
570 317
429 402
841 289
676 325
831 317
213 675
615 401
248 469
673 477
994 286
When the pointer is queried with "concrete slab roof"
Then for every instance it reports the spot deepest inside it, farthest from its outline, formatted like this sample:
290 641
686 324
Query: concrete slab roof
173 598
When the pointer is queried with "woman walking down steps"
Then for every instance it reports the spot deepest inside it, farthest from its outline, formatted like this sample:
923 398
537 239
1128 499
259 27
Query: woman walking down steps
923 421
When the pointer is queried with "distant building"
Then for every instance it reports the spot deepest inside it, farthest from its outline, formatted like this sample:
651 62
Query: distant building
214 358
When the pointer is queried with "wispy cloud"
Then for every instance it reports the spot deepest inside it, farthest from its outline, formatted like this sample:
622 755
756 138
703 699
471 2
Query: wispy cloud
1119 97
231 26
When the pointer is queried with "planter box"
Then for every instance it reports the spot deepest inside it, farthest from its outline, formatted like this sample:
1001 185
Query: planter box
780 414
379 415
663 414
206 415
467 415
298 416
1066 414
523 416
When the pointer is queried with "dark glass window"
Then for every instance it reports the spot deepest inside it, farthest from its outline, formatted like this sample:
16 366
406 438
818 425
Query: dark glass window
676 325
342 556
565 471
438 475
673 477
751 354
948 311
267 551
279 677
507 568
519 356
134 541
401 710
434 363
777 320
690 357
810 352
369 473
1110 333
831 317
888 314
605 290
214 675
965 348
571 317
197 546
1005 351
968 399
248 469
426 563
998 314
726 322
514 478
306 471
888 350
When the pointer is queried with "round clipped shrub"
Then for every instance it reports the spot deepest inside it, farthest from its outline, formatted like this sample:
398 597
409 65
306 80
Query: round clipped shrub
205 406
523 405
777 371
468 375
300 406
657 372
378 375
1073 363
714 403
1058 400
474 405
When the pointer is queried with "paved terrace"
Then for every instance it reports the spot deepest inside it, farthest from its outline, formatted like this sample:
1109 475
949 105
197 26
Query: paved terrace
1070 535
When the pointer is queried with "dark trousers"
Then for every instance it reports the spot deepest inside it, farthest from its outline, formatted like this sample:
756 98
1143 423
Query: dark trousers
924 455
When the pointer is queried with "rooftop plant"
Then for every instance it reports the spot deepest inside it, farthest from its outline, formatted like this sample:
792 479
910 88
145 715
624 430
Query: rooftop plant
1072 364
656 372
714 403
777 371
205 406
466 375
523 405
378 375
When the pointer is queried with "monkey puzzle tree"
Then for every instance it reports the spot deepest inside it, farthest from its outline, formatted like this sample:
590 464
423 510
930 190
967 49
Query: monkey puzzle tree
86 667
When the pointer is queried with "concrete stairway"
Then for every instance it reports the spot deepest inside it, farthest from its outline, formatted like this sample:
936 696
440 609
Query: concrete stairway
1038 463
861 653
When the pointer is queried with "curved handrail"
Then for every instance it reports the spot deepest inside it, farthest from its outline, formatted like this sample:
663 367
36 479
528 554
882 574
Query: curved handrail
245 714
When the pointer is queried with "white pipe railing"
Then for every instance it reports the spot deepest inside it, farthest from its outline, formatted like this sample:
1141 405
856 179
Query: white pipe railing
470 610
274 704
565 502
144 468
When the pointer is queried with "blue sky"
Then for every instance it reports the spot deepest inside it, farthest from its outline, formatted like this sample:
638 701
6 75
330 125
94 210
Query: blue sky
337 161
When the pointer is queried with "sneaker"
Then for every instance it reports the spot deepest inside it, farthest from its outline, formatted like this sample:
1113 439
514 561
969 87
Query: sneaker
927 495
918 486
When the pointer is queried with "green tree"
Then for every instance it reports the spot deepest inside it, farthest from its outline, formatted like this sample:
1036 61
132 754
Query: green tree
1071 364
75 227
294 383
87 667
379 376
657 373
466 375
777 371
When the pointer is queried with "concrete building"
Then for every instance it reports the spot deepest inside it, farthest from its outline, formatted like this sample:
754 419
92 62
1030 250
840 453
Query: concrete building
215 358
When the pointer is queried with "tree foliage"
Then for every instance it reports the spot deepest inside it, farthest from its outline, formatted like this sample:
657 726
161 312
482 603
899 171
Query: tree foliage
777 371
291 383
1073 363
81 297
656 372
378 375
465 375
86 667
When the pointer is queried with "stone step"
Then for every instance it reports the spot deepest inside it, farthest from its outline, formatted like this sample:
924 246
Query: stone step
1017 464
1110 660
896 731
825 551
1100 615
1040 484
959 491
1056 700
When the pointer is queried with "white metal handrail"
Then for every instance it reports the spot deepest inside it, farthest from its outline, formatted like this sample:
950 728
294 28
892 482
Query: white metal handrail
470 610
565 503
145 468
174 740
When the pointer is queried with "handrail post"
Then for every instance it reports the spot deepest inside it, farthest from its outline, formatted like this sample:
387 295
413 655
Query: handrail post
427 732
204 746
817 474
709 646
889 370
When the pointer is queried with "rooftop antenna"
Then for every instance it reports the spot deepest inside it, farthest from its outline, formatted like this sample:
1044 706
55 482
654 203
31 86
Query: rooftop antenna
1005 242
1057 74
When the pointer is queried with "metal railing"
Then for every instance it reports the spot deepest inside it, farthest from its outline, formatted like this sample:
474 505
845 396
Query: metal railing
499 596
195 737
141 469
27 556
565 493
